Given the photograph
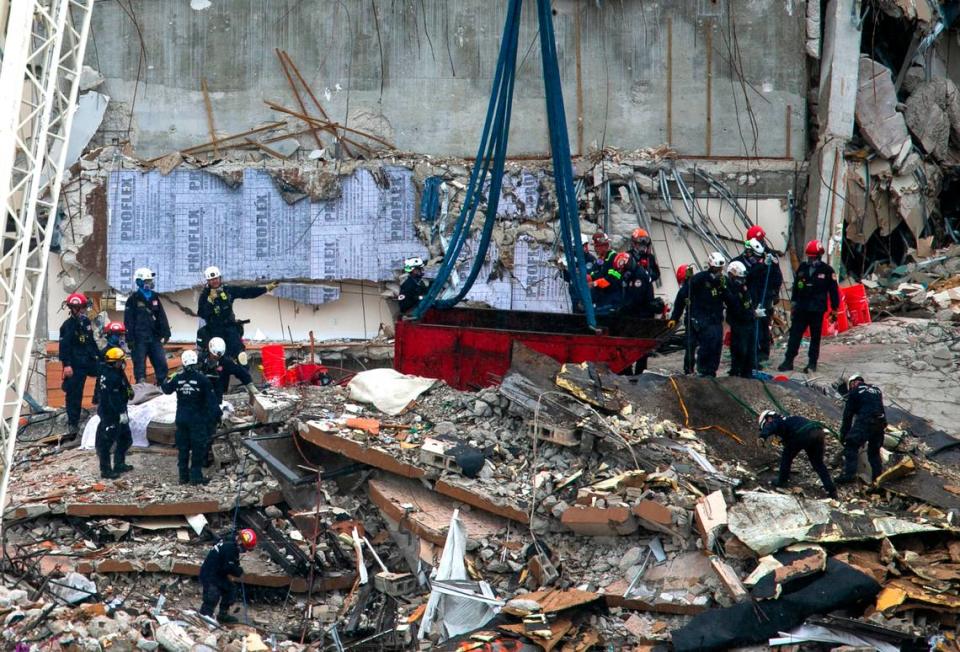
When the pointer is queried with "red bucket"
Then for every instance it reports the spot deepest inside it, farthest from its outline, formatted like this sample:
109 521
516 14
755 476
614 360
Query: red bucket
858 306
274 364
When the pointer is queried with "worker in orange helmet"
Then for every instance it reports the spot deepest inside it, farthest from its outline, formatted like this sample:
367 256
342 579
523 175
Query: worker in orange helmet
641 250
79 355
222 563
814 283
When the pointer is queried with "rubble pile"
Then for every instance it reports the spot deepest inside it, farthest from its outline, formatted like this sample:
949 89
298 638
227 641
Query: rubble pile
568 506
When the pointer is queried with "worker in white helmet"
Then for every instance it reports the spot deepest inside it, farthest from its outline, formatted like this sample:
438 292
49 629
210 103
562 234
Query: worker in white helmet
704 296
413 288
215 308
147 328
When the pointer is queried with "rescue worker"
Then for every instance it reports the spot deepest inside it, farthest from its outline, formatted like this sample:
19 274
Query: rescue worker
197 406
814 284
864 422
604 257
638 298
589 264
607 290
704 297
797 434
147 328
113 334
684 274
757 233
741 317
222 563
588 258
79 355
641 250
114 428
764 280
219 367
413 288
215 307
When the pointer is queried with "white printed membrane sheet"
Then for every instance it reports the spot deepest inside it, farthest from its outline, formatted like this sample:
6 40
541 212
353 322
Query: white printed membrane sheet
181 223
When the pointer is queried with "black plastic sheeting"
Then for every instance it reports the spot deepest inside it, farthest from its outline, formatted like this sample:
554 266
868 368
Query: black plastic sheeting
838 586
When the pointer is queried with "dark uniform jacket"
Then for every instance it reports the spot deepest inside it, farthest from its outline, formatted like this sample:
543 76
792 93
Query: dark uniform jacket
638 292
794 431
196 400
78 346
222 561
412 290
865 403
114 393
813 284
706 293
215 306
653 269
145 319
739 304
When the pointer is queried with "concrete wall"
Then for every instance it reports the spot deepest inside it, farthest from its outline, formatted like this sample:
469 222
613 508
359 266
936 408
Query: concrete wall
649 71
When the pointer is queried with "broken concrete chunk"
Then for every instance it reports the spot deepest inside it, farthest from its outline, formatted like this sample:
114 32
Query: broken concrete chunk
711 516
880 123
730 579
599 522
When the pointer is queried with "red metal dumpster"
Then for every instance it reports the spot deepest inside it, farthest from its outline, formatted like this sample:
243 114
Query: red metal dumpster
471 347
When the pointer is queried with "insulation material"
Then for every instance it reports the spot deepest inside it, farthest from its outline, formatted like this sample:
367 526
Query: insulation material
162 408
388 390
458 611
181 223
314 295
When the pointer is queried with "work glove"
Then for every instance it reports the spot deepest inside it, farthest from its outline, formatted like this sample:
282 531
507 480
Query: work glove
68 372
760 312
272 285
163 340
211 298
771 259
242 358
124 419
671 324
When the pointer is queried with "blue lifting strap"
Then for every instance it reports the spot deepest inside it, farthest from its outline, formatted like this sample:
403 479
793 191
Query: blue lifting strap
491 158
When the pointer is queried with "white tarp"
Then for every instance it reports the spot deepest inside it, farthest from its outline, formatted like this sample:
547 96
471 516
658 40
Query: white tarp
162 408
388 390
453 598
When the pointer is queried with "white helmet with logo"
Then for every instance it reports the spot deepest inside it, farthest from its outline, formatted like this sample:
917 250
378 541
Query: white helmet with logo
716 259
217 346
143 274
736 269
188 358
412 263
765 415
211 273
755 246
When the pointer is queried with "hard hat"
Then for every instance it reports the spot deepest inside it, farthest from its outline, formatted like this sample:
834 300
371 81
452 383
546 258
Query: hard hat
217 346
815 248
248 538
736 269
114 354
115 328
77 299
756 233
188 358
754 245
854 377
765 414
584 239
620 261
410 264
600 238
682 272
716 259
146 274
211 273
640 234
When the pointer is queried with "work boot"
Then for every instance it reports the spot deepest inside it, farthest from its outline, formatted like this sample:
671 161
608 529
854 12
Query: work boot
251 389
72 432
786 365
810 369
199 481
226 619
845 479
109 474
832 493
119 463
184 479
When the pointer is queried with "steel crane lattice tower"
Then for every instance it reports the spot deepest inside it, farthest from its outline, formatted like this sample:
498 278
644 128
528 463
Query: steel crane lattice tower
40 66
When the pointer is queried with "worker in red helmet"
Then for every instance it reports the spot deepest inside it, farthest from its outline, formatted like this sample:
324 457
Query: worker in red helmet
641 250
814 283
222 563
684 274
113 334
79 355
755 232
607 292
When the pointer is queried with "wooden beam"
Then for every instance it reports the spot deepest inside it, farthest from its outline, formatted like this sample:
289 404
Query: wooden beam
211 127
